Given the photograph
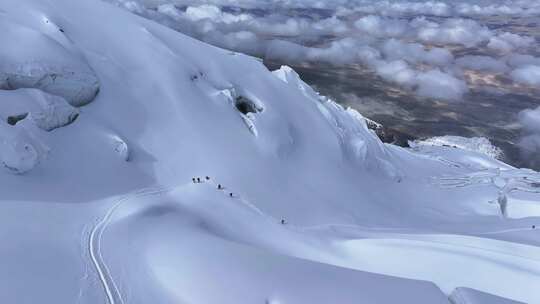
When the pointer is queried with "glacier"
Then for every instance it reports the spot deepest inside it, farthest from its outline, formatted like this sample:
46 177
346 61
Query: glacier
122 114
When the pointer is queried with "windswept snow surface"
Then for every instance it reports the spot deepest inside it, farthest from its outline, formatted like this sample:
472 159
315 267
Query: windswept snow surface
474 144
104 210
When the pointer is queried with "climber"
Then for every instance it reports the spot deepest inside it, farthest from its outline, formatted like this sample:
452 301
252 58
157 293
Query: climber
208 178
219 187
230 194
283 222
193 179
198 179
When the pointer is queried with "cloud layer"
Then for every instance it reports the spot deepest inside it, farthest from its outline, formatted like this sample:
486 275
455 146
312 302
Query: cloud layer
416 45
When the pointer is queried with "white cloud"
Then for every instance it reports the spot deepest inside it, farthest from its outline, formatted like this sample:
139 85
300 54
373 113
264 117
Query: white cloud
455 31
528 75
437 84
517 7
397 71
416 53
368 55
285 50
530 141
214 13
338 52
244 41
482 63
203 12
521 60
530 119
507 42
381 27
331 25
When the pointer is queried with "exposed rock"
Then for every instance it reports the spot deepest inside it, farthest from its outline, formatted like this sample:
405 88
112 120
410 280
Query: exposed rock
14 119
246 105
388 135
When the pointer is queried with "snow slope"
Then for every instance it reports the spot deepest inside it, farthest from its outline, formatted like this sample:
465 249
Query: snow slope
102 207
467 295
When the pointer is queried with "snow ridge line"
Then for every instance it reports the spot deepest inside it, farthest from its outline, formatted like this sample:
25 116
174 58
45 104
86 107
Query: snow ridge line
94 244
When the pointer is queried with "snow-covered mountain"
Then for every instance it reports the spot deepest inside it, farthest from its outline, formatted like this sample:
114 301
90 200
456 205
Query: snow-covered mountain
108 117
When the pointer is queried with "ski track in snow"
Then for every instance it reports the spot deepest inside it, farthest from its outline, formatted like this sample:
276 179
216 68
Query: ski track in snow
114 295
94 243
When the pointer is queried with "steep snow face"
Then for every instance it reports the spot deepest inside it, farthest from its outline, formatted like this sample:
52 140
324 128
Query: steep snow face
358 144
303 183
